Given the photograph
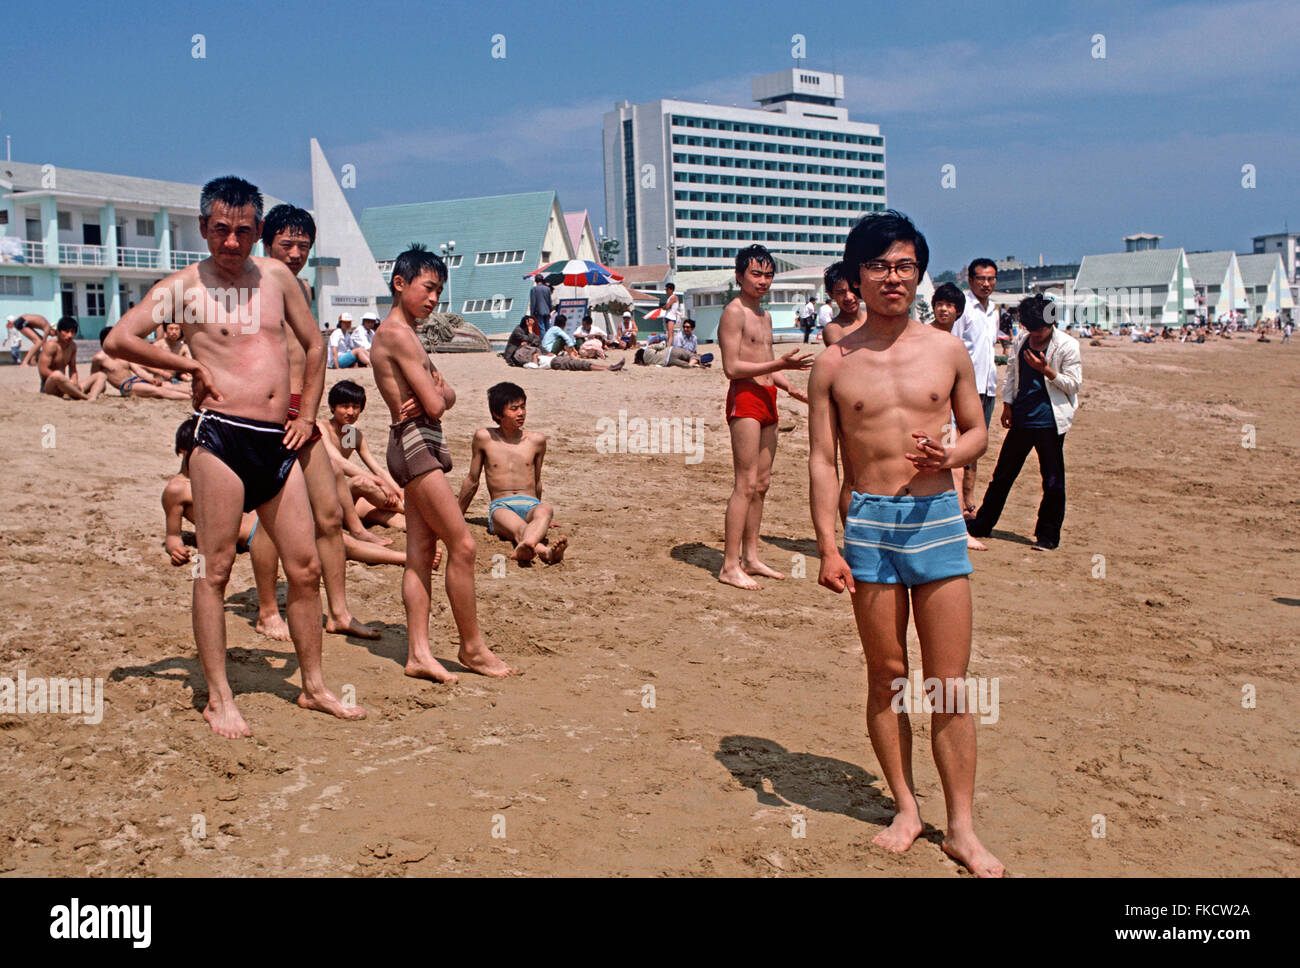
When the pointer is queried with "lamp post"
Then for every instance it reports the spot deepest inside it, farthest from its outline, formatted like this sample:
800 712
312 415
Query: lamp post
447 248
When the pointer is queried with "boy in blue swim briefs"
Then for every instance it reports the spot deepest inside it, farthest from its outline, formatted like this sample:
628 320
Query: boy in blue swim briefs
887 389
512 458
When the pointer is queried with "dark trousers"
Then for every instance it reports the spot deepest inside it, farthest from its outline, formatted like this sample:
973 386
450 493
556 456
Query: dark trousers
1051 461
807 328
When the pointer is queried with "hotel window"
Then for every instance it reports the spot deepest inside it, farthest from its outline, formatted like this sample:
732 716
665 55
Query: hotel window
94 299
497 258
144 228
452 261
498 304
15 285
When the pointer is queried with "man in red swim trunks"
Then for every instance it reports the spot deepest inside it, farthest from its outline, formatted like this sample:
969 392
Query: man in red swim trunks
755 372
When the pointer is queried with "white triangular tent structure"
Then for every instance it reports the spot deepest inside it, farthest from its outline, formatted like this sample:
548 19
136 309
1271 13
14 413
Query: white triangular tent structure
347 279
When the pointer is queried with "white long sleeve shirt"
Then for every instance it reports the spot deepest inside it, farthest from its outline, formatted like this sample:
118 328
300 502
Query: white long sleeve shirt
977 328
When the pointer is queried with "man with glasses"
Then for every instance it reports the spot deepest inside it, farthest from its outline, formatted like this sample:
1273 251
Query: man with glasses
904 539
977 328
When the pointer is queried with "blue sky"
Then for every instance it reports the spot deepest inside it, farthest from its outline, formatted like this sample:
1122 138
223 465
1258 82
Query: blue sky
1056 152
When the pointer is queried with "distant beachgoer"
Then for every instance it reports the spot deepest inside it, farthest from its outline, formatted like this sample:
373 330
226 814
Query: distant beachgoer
627 335
657 354
534 359
128 379
340 352
556 335
512 459
526 334
174 339
592 345
57 363
359 339
539 302
419 461
755 374
808 318
948 303
977 328
1039 397
35 328
852 311
672 308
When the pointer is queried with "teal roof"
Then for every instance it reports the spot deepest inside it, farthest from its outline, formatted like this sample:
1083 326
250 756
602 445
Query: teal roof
496 223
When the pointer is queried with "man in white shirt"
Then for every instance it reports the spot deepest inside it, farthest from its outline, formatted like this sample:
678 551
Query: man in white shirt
360 339
808 318
826 313
978 330
340 353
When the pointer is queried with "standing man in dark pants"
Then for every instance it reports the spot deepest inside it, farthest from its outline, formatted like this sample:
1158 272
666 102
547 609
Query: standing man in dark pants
539 303
1039 397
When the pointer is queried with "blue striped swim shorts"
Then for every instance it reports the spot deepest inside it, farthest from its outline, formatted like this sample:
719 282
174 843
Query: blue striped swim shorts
905 540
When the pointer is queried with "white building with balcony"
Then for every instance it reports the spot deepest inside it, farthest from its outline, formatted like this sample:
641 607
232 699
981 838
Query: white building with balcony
88 244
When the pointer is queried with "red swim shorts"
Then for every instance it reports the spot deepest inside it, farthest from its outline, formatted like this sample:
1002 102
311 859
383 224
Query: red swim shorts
295 404
745 398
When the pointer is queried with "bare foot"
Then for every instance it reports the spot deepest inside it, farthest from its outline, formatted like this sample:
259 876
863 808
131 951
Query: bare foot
755 567
350 627
553 553
737 577
432 669
225 720
364 535
967 850
327 702
524 553
975 544
900 834
437 556
273 628
484 662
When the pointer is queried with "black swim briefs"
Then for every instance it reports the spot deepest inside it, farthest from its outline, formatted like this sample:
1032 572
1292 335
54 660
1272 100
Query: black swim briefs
253 449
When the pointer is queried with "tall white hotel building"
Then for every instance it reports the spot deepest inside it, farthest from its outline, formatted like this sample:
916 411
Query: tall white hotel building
792 174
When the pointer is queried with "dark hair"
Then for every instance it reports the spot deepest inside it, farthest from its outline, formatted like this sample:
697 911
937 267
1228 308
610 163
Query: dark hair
949 293
345 391
231 191
67 324
981 264
670 285
753 253
282 218
690 321
1036 312
639 356
413 263
833 274
587 318
874 234
523 320
502 395
103 334
560 320
185 434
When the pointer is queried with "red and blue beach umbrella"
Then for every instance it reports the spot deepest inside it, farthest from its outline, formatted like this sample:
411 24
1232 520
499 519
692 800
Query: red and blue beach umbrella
575 272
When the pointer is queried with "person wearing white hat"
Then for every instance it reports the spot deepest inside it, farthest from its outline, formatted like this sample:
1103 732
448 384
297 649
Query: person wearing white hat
627 335
360 339
341 355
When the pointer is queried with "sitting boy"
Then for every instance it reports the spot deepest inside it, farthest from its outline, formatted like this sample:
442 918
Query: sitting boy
376 496
513 459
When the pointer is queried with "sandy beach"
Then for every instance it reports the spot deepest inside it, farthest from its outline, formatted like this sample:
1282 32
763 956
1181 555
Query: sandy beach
665 724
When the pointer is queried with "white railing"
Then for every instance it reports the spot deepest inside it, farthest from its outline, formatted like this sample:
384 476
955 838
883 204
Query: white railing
134 258
182 258
81 255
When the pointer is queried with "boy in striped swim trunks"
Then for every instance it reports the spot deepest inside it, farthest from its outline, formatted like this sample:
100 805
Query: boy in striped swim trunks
418 460
887 389
512 458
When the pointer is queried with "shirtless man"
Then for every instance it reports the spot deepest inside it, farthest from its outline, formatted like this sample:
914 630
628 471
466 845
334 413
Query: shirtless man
745 340
234 310
287 236
513 459
852 313
128 379
892 380
172 337
419 460
35 328
57 363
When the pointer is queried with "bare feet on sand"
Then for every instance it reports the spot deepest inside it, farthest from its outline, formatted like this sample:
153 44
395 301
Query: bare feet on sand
753 566
273 628
364 535
350 627
553 553
967 850
484 662
327 702
737 577
225 720
900 834
524 553
975 544
430 669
